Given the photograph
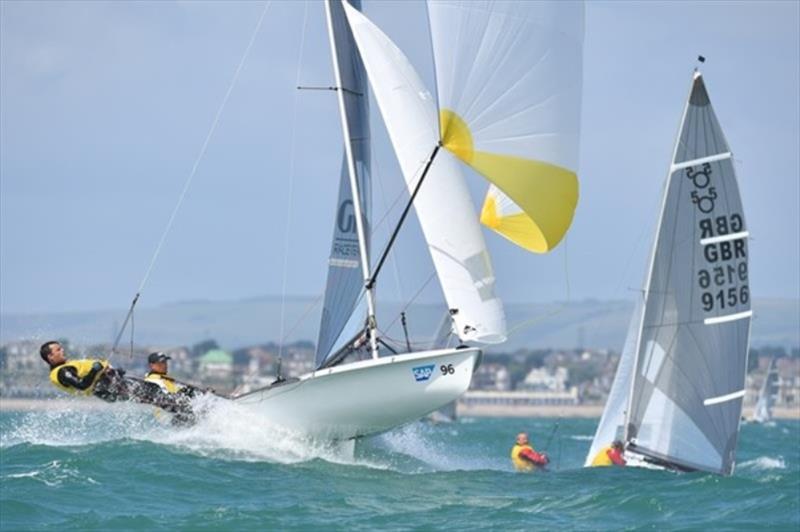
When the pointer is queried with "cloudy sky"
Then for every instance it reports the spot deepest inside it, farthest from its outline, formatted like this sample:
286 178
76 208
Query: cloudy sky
105 106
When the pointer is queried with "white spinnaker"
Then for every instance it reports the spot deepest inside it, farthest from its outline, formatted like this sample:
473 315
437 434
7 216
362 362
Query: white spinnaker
443 204
509 79
611 426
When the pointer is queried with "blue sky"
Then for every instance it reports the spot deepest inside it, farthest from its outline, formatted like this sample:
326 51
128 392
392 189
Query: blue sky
104 107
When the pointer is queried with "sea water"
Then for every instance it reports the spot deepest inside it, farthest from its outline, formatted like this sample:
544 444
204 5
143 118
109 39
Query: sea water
120 468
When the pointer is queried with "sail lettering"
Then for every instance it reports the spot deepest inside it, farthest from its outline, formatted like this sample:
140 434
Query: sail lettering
345 218
723 279
722 251
720 225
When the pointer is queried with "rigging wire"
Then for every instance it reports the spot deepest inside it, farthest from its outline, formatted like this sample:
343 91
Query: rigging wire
192 173
291 180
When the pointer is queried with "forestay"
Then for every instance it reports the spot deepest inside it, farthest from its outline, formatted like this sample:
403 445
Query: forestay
443 204
689 381
345 276
509 83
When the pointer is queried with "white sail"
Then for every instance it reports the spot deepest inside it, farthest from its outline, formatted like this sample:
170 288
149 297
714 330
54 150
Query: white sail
443 204
612 423
509 78
766 395
687 390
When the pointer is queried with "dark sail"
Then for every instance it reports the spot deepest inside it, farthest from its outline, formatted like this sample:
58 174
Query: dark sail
345 277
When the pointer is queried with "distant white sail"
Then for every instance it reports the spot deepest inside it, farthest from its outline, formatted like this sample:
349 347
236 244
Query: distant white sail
345 277
766 395
443 204
509 77
686 397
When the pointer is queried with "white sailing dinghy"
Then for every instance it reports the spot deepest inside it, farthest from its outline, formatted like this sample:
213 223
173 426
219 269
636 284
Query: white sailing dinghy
766 395
511 111
676 400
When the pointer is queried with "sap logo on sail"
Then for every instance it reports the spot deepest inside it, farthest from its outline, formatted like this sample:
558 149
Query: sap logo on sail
423 373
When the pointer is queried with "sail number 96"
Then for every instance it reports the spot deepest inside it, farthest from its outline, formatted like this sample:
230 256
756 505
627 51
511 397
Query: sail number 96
726 298
447 369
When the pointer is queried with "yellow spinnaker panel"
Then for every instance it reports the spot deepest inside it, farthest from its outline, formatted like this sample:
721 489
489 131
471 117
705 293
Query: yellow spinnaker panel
509 78
533 203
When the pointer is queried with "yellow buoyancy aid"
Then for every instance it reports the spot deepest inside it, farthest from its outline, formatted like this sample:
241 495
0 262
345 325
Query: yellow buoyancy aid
520 464
602 459
82 368
167 384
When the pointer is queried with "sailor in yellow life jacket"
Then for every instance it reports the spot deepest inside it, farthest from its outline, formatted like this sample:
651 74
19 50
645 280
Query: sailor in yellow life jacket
524 457
610 455
83 377
158 373
178 392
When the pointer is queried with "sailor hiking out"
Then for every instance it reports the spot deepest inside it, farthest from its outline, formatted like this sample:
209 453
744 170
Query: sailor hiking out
96 377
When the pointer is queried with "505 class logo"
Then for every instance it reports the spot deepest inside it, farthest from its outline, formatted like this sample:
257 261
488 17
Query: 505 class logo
423 373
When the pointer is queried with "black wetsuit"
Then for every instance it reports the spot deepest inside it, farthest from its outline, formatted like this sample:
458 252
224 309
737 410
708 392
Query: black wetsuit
114 386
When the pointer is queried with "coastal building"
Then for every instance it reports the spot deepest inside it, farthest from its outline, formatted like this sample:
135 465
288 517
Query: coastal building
216 369
491 376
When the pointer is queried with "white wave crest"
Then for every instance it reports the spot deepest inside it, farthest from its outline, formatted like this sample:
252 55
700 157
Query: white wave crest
764 463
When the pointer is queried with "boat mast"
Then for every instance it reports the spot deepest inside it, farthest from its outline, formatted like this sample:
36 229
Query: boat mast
646 292
362 239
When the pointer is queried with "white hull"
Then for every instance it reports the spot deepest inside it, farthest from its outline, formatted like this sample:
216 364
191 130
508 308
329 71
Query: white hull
366 397
637 460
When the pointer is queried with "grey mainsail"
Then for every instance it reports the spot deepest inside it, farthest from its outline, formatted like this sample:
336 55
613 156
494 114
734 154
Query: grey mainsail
345 277
688 385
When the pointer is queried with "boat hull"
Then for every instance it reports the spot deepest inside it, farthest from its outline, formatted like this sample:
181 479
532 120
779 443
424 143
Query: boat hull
366 397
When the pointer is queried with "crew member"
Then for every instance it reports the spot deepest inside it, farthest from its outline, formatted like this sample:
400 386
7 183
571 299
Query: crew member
524 457
86 376
158 374
610 455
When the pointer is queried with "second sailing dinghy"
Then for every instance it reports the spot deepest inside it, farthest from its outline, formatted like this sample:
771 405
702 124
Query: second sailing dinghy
766 394
676 400
511 87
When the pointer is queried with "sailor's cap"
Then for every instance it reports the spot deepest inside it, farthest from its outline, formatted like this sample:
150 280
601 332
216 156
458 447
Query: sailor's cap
152 358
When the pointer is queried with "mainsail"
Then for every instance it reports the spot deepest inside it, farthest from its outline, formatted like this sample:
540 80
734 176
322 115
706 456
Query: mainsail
509 75
687 389
766 395
443 204
345 276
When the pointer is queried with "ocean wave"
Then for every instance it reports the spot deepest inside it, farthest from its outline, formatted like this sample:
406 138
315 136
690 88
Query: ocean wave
581 437
51 474
764 463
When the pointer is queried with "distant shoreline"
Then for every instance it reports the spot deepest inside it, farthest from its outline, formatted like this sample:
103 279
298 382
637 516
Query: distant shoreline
580 411
569 411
